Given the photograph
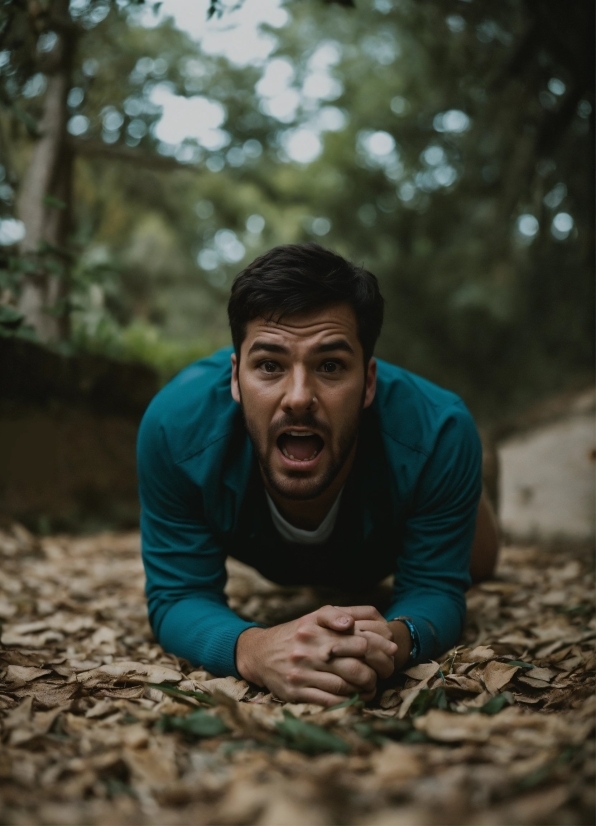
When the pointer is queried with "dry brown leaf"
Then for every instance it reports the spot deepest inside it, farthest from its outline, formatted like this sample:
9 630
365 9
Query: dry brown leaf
281 810
129 671
407 696
38 725
545 675
399 816
49 695
230 686
396 763
24 673
453 728
389 698
155 766
463 682
479 654
424 671
100 709
497 675
83 604
19 716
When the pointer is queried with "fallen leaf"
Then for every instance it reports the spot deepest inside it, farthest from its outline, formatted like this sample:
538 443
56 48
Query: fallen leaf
496 675
129 671
424 671
23 673
481 653
231 687
453 728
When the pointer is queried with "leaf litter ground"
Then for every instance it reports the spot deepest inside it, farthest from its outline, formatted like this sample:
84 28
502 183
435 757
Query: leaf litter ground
100 726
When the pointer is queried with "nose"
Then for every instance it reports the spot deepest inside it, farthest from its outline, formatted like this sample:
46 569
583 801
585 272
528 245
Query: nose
299 394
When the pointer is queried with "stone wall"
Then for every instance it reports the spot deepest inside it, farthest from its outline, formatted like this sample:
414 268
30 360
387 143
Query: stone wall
547 473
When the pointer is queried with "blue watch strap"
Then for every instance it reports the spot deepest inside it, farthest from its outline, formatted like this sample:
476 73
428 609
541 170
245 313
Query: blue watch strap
415 636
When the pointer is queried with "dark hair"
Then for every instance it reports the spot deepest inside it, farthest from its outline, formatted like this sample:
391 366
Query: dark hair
299 278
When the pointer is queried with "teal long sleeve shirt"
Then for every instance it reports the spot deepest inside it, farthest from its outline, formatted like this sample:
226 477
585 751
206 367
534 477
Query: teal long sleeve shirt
408 508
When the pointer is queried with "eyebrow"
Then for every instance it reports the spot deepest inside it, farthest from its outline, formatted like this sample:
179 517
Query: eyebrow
326 347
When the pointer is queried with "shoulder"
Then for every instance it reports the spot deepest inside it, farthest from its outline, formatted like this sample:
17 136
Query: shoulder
414 411
195 409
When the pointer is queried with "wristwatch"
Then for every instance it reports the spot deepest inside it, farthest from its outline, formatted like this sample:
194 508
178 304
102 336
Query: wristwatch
414 635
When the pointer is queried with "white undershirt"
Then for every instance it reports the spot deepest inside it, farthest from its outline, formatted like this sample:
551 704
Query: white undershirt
292 534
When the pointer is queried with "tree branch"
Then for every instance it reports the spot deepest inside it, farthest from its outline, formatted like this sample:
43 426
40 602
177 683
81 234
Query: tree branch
126 154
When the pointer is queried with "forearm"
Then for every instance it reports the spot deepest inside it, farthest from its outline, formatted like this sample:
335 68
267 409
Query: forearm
247 655
202 630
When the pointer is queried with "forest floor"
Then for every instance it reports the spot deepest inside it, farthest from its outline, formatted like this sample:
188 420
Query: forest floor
499 732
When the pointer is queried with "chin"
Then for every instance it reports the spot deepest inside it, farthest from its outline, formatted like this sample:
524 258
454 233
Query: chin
303 489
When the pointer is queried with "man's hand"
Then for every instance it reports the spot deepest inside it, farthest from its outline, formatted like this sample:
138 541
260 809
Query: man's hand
317 658
381 649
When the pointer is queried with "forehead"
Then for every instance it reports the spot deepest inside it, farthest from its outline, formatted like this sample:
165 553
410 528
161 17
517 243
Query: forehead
307 329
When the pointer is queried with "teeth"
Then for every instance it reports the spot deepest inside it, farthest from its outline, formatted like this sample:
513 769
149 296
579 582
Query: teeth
301 433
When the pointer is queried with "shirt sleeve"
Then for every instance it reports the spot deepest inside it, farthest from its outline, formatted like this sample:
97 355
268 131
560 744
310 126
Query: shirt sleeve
184 565
432 573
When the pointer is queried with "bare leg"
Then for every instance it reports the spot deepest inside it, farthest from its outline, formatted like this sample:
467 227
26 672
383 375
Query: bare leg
485 547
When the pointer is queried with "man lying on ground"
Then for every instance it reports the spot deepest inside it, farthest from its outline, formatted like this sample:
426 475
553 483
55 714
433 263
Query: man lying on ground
301 455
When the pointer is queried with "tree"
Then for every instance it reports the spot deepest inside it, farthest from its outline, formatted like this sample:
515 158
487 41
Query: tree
452 139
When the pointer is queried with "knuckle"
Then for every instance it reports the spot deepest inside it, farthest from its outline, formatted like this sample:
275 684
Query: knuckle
296 655
356 672
304 634
293 678
340 686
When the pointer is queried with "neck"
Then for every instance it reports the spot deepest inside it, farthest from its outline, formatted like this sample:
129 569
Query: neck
308 514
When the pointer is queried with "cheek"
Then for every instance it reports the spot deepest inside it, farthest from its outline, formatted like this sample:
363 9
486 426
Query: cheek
258 403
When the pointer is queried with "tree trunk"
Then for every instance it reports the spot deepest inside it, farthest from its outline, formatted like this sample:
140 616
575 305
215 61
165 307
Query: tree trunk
44 203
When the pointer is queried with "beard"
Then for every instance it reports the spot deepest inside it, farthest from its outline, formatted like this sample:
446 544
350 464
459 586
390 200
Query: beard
283 484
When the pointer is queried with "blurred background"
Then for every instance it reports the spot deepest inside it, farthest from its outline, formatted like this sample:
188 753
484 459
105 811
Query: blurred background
149 151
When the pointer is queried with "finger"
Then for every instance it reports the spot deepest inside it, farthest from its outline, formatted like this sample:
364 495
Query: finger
381 628
362 612
334 618
332 683
315 695
375 642
383 665
354 672
349 646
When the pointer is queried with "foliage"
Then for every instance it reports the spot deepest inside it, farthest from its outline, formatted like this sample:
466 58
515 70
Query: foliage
453 140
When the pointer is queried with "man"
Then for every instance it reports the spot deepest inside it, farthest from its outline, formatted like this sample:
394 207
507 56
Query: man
301 455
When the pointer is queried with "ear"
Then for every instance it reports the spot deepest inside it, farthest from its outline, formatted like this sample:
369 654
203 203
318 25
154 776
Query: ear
234 384
371 383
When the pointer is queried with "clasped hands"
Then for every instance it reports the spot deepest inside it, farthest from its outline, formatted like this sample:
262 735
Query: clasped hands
321 657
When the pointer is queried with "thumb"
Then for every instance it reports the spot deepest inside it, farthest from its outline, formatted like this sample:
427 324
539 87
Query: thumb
335 619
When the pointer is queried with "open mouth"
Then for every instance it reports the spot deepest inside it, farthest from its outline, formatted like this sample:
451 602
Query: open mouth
300 446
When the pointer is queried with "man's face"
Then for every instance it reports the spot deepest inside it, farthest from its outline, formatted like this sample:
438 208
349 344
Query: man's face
302 386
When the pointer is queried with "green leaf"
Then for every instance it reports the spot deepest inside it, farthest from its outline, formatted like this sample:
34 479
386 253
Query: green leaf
520 663
354 700
199 723
379 731
51 201
308 737
496 704
427 699
9 317
201 696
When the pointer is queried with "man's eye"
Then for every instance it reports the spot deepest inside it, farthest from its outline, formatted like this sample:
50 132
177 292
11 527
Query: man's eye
330 366
268 366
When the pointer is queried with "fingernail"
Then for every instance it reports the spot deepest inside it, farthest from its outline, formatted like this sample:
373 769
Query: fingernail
343 620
